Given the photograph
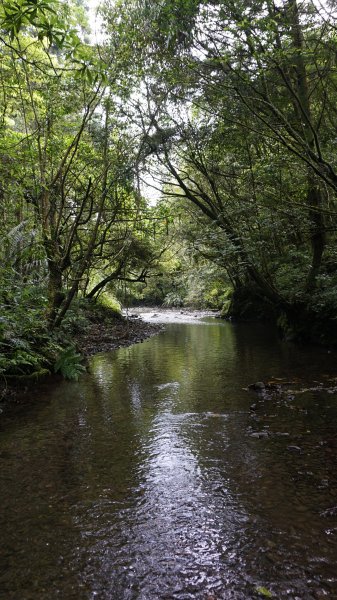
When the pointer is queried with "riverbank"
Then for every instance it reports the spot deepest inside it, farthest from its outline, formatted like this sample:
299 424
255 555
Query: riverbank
113 332
100 330
108 331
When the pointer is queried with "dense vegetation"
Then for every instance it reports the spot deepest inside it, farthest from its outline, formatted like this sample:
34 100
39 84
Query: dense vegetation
226 108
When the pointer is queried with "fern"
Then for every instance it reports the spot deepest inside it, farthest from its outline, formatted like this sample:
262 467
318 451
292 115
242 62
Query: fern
17 234
69 364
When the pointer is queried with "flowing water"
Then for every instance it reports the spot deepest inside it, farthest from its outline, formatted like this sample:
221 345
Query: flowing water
154 478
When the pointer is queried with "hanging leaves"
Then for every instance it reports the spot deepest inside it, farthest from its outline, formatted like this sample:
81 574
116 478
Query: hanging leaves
41 14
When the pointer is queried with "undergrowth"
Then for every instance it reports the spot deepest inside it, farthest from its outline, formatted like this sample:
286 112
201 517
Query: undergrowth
69 363
30 350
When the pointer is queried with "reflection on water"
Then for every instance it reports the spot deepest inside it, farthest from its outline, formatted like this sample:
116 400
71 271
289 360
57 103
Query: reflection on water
146 480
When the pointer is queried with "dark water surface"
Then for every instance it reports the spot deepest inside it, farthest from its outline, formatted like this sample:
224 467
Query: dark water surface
145 479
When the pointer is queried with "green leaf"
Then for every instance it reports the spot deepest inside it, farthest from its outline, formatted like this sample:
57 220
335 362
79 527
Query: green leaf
264 592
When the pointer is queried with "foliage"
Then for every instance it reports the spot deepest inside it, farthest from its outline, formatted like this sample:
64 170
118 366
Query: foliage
69 203
75 320
69 363
24 339
173 299
236 124
109 301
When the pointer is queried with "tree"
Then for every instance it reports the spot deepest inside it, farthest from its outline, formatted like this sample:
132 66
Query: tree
69 199
239 114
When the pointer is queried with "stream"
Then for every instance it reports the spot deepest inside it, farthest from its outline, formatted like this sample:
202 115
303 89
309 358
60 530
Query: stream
160 476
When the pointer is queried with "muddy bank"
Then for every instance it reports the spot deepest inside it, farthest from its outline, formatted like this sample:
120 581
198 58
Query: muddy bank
113 333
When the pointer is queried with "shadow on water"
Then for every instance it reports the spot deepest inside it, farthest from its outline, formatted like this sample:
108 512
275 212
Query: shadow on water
152 478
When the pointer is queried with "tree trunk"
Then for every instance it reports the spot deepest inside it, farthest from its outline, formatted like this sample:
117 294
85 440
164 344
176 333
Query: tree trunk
55 293
314 194
317 238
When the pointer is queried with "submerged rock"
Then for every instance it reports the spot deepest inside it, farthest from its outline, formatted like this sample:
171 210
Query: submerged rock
259 386
265 389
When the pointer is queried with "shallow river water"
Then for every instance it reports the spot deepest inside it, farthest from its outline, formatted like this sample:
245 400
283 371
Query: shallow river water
154 477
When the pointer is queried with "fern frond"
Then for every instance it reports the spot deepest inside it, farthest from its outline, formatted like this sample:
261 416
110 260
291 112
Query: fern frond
69 364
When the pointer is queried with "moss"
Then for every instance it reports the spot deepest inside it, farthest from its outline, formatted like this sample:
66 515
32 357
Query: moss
109 301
